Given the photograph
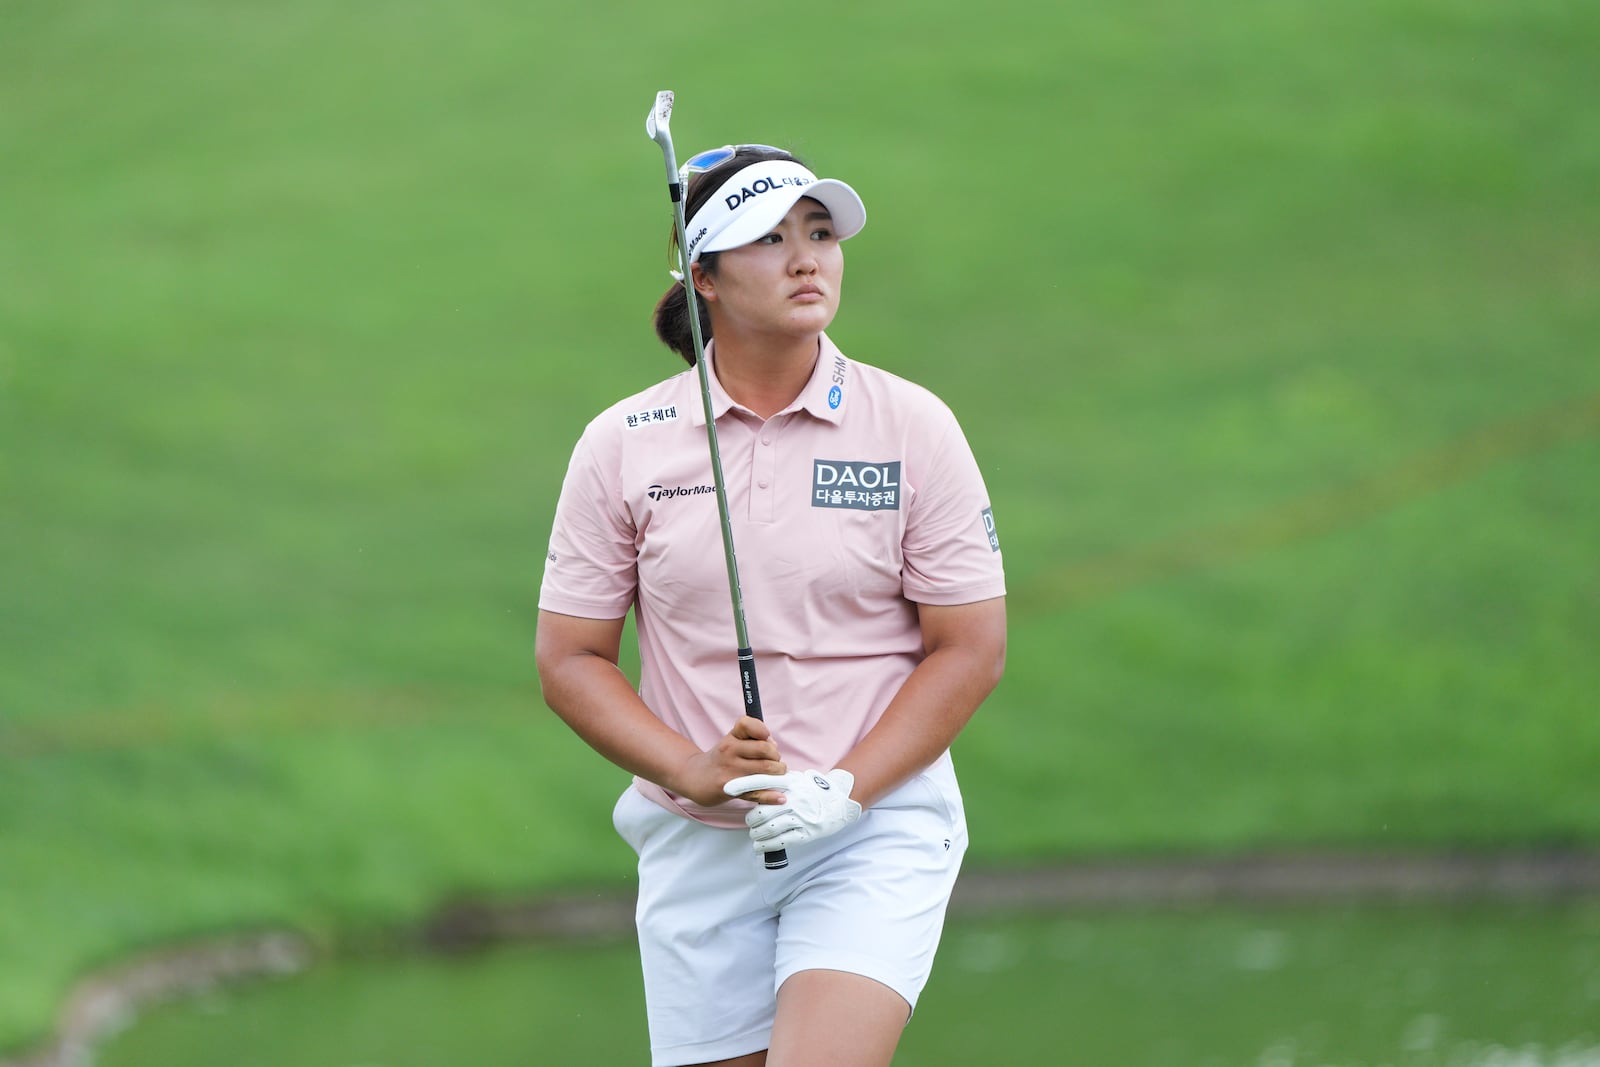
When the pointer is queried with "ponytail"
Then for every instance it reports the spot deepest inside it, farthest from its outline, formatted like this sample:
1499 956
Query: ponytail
672 318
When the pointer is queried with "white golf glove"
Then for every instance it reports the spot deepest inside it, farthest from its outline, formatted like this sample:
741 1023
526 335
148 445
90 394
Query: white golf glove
815 806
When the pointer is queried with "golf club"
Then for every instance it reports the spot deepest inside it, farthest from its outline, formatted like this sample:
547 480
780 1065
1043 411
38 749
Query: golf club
656 124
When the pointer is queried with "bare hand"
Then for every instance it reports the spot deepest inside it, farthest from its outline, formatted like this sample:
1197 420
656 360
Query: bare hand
746 749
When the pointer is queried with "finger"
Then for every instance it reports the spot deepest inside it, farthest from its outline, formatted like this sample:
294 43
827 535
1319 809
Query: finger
763 767
777 822
760 752
763 813
750 728
749 783
782 841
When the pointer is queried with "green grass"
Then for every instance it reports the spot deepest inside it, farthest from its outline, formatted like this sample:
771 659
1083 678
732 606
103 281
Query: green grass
1274 327
1418 987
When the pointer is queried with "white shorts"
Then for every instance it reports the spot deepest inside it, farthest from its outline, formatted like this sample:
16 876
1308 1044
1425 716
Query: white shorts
719 933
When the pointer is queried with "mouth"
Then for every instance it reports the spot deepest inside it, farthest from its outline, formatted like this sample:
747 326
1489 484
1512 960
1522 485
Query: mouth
806 292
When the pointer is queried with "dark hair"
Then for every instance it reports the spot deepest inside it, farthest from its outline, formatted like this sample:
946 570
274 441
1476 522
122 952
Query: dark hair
672 310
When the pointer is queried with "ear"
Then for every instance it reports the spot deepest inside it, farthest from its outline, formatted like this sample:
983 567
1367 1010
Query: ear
705 286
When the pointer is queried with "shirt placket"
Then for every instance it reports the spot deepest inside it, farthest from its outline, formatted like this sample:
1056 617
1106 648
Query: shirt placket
763 470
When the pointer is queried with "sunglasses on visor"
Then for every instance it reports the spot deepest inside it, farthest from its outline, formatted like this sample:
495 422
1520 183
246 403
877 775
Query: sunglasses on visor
715 157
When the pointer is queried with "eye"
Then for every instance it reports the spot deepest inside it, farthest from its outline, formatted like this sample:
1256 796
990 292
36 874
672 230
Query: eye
825 233
770 239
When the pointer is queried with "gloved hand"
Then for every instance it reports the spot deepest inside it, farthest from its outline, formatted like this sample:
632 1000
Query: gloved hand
815 805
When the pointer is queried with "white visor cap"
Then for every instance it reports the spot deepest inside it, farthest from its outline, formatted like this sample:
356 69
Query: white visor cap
753 201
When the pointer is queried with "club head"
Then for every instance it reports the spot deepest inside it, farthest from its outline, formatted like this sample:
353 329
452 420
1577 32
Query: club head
657 122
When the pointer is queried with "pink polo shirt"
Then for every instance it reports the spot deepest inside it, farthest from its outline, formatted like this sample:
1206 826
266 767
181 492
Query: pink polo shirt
848 507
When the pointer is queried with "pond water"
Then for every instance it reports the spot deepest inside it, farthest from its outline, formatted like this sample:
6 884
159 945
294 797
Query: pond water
1349 986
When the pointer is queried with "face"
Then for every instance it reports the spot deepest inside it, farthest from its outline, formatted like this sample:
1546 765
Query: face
785 283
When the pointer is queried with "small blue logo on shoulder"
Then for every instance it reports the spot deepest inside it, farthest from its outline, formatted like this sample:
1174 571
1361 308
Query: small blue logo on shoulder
835 396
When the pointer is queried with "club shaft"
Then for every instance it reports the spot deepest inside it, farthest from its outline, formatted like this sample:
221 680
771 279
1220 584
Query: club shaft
718 483
748 686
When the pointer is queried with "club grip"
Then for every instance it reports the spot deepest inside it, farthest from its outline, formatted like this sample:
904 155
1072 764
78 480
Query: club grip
747 683
778 860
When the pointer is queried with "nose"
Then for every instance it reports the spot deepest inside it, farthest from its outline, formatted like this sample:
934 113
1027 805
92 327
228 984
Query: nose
805 262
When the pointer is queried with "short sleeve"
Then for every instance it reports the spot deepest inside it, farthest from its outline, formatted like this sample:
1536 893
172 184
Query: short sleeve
591 568
951 550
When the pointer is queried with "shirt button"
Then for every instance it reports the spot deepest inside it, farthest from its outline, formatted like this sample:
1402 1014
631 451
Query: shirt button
766 440
762 483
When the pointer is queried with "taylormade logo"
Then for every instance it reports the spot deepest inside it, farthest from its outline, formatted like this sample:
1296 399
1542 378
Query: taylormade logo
658 492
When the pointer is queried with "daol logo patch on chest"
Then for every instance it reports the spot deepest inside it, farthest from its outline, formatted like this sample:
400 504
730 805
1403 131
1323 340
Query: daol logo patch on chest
857 484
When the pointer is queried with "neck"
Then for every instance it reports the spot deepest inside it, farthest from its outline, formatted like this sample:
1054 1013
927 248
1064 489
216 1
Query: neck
765 374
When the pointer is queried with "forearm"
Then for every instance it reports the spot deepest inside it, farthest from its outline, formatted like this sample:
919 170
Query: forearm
936 702
578 674
593 697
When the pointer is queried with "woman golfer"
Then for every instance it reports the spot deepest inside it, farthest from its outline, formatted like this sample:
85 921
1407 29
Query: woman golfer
874 588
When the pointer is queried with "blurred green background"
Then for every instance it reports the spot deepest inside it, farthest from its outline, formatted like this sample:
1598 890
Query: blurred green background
1273 325
1409 986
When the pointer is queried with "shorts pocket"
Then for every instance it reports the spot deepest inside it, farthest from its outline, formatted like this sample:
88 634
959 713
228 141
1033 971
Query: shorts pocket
936 794
634 817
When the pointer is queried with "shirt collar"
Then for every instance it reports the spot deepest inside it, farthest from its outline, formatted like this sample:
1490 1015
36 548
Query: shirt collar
720 400
824 394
